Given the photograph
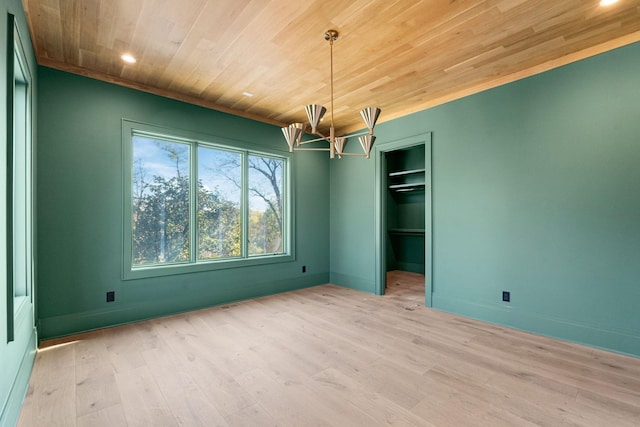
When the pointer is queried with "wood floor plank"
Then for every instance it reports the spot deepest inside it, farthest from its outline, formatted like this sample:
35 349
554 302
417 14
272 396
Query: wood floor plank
383 411
254 415
185 399
53 362
142 400
449 406
328 356
112 416
95 389
52 388
289 403
553 400
395 382
54 403
575 374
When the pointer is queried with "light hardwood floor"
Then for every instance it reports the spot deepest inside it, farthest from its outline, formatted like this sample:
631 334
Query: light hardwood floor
406 286
328 356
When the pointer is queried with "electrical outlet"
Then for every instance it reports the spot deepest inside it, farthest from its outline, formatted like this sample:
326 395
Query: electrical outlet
506 296
304 268
111 296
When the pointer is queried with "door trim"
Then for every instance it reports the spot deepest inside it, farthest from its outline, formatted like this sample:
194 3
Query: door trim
380 208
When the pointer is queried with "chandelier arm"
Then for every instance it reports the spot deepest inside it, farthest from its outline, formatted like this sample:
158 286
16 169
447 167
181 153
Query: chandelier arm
354 154
312 149
326 138
323 138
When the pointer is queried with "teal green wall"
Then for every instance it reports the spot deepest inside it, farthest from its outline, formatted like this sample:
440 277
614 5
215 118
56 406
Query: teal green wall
535 191
16 357
352 222
80 209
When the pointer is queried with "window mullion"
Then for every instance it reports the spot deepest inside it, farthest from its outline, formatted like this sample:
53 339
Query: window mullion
286 211
245 204
193 203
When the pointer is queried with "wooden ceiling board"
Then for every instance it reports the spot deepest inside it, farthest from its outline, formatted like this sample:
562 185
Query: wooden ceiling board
401 55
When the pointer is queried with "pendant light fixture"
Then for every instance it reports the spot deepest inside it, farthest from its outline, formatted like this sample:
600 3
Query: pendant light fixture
293 133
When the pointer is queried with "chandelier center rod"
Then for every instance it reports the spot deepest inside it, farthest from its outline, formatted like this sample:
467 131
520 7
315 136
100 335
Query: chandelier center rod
331 36
331 42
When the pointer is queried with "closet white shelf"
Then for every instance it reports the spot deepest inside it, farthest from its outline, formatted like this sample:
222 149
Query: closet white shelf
407 172
407 187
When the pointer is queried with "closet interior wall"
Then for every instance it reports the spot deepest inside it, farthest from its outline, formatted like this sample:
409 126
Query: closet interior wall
405 210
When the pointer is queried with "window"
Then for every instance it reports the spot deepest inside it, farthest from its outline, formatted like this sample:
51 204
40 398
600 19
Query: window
197 204
160 201
265 205
19 181
219 203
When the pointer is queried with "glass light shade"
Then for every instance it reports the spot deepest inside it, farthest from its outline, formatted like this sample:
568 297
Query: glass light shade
315 113
370 116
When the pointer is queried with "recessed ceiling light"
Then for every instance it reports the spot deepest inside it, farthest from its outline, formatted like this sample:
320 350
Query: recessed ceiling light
248 94
127 57
607 2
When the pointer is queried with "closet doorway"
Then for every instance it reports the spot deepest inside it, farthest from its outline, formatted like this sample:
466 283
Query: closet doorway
403 219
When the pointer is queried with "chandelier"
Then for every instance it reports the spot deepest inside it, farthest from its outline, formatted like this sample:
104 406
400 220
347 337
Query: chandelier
293 133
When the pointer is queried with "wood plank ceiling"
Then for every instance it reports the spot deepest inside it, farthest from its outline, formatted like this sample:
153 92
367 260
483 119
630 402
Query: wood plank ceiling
402 55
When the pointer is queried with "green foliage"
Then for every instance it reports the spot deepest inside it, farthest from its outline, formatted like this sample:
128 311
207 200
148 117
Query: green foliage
161 222
265 232
219 227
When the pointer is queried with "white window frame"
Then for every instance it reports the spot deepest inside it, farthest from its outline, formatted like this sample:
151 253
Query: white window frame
130 271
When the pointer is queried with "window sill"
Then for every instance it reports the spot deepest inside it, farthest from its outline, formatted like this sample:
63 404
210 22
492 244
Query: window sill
168 270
